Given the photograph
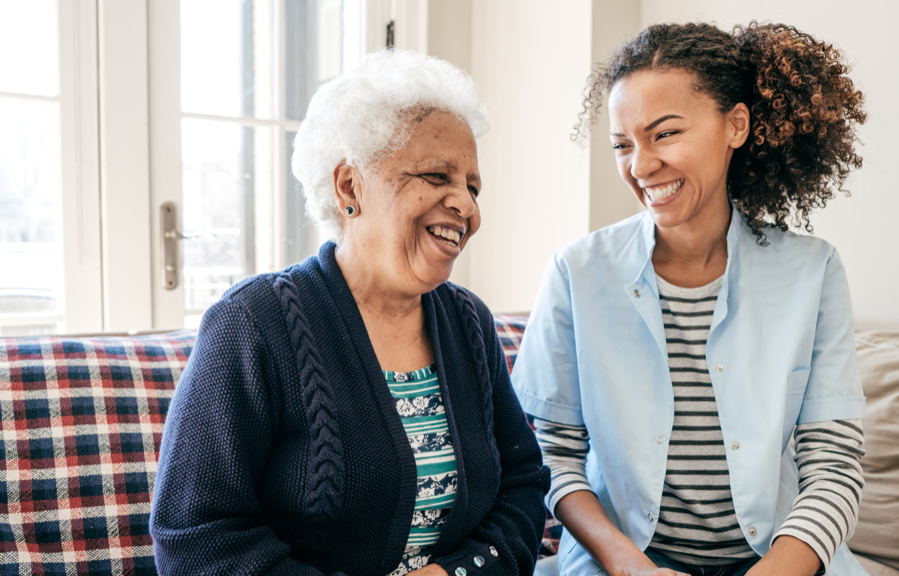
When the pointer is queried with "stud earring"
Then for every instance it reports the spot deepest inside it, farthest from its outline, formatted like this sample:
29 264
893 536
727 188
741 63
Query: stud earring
350 211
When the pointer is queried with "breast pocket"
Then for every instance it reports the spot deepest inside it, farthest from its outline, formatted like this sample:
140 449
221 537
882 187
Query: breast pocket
796 384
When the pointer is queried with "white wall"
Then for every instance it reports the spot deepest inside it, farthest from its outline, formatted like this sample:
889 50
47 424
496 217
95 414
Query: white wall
541 191
530 64
610 199
858 226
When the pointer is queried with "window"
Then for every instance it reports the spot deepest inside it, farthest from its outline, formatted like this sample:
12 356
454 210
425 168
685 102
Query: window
248 70
50 279
110 110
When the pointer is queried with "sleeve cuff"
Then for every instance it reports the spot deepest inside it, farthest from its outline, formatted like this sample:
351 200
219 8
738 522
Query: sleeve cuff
833 408
553 498
466 563
551 411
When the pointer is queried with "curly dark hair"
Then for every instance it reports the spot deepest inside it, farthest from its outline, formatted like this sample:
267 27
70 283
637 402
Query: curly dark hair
804 109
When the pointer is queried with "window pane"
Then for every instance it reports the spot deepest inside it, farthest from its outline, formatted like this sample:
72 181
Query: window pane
29 47
30 254
330 38
227 57
226 167
313 50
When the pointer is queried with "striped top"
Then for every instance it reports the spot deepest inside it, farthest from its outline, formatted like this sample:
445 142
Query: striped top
420 406
697 523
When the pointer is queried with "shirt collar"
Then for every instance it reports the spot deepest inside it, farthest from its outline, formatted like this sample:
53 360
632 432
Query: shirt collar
648 233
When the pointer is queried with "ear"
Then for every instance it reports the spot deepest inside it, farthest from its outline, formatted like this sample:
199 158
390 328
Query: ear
347 184
738 122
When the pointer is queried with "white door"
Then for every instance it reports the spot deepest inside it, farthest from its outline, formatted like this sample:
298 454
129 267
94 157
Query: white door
229 84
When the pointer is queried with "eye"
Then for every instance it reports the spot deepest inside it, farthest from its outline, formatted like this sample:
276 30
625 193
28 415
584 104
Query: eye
667 134
618 146
474 191
438 176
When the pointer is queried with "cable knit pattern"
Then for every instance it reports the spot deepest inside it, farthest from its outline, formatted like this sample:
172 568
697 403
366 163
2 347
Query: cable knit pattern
325 477
475 338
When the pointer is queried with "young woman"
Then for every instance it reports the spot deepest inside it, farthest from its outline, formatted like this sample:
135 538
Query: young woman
670 357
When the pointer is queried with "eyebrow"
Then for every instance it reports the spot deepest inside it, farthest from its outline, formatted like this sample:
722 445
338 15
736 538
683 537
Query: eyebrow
651 125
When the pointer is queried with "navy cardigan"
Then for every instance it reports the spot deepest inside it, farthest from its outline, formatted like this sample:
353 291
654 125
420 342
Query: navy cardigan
283 452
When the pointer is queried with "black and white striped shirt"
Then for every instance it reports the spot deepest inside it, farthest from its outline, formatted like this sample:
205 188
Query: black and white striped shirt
697 523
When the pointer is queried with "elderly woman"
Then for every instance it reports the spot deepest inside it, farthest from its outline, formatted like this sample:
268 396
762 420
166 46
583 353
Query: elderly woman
670 357
353 414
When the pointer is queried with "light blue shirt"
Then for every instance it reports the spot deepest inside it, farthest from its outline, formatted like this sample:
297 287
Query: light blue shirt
781 352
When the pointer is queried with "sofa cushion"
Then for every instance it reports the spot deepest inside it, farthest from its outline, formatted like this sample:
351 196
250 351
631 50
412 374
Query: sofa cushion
82 421
877 533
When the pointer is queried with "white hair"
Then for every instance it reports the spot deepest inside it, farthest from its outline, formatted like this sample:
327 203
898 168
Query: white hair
362 116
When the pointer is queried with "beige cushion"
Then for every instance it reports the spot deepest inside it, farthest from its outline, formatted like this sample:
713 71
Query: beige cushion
874 568
877 533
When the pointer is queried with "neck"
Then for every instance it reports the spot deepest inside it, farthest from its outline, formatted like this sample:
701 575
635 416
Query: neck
375 295
694 252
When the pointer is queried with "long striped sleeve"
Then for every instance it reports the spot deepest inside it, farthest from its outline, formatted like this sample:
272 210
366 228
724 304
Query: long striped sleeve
825 513
564 450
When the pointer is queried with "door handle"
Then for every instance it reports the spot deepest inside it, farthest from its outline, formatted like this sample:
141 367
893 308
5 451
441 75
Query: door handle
170 236
168 217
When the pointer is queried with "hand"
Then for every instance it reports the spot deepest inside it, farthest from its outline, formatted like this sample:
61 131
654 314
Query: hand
657 572
585 519
433 569
642 566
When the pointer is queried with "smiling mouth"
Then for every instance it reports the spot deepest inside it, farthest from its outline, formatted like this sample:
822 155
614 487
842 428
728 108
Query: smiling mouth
657 193
451 237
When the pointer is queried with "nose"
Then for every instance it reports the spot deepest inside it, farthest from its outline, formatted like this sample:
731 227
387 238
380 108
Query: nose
644 163
460 201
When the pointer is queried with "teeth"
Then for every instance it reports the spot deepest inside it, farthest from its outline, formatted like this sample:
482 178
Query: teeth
660 192
451 236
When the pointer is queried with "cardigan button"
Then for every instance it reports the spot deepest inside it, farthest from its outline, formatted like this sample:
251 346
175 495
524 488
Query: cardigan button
494 552
460 571
479 561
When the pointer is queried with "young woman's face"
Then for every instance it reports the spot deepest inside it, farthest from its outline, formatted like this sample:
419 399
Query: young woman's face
673 145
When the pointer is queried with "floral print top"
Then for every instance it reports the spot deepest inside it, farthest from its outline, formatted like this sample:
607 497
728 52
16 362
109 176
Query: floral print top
420 406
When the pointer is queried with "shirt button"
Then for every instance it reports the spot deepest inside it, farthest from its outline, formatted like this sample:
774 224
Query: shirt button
659 439
734 445
719 368
752 531
649 516
636 293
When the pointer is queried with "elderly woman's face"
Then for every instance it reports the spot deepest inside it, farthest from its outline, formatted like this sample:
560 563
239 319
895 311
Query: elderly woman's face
419 208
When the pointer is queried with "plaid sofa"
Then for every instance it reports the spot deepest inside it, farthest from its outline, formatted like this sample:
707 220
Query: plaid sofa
82 421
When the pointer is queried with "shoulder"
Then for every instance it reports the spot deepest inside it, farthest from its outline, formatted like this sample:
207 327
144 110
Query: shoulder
262 299
611 255
787 247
